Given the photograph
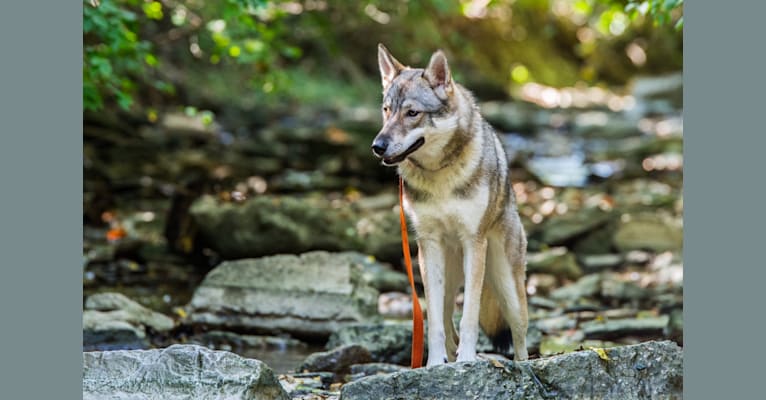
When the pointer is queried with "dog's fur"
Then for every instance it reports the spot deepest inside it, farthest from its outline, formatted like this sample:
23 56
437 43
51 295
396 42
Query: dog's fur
459 198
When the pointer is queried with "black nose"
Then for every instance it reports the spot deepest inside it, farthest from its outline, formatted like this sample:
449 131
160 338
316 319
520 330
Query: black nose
379 147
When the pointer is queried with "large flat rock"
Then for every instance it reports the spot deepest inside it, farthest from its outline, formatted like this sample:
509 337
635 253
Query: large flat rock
651 370
177 372
311 295
269 225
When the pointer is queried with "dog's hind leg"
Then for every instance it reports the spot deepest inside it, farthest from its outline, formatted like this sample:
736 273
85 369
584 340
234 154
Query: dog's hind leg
506 272
474 257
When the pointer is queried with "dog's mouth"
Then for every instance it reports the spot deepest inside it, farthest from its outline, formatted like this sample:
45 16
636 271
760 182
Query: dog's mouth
399 158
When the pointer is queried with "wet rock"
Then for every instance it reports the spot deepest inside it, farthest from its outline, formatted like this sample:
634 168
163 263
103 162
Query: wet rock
311 295
648 370
177 372
267 225
648 232
587 286
337 360
557 261
113 321
614 328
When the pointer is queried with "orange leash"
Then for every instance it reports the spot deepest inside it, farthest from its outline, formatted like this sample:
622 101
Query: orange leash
417 314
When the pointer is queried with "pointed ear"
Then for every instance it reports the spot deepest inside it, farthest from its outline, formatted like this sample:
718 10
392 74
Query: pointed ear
389 66
437 73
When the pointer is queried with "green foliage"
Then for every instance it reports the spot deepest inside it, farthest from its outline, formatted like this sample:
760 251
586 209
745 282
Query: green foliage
112 53
285 51
123 37
661 11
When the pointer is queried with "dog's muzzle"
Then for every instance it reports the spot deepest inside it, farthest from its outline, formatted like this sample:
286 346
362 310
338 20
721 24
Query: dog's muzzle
379 147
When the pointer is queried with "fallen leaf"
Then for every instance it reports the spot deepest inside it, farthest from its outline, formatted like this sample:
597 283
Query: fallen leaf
601 353
115 234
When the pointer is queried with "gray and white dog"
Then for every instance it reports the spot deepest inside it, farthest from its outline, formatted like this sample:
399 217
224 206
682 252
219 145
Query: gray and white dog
458 195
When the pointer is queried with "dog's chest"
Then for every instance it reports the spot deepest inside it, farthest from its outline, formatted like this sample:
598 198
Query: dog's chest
449 215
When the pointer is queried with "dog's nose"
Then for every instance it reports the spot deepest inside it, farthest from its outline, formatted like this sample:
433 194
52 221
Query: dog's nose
379 147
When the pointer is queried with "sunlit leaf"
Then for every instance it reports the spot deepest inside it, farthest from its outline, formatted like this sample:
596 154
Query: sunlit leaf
601 353
151 60
153 10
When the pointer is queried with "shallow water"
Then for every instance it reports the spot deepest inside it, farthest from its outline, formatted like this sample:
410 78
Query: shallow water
280 360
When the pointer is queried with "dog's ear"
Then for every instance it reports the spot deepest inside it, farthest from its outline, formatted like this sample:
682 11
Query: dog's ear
438 74
389 66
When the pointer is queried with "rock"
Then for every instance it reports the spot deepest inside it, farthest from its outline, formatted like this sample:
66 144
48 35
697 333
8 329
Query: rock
134 312
112 321
613 328
177 372
562 228
587 286
599 124
223 340
309 385
389 343
648 232
396 305
615 288
380 276
557 261
600 262
392 343
648 370
669 86
556 324
359 371
178 124
509 117
311 295
675 329
268 225
102 331
337 360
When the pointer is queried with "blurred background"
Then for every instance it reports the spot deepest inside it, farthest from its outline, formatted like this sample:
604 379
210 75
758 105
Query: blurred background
240 129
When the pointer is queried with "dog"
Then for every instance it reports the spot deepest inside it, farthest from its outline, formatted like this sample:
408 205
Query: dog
458 195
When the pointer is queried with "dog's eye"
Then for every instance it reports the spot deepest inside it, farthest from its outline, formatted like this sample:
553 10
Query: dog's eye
412 113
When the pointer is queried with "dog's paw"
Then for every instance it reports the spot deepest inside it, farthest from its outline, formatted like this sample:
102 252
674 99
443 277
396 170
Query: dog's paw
466 356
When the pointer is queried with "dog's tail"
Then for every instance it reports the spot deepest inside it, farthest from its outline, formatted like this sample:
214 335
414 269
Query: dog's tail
492 321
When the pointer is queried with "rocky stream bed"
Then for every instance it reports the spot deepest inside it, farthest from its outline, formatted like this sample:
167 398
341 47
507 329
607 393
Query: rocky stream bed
257 260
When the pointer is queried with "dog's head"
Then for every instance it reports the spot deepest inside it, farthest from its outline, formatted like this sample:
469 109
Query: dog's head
416 108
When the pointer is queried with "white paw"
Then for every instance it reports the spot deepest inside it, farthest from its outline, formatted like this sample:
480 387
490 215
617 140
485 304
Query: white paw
466 356
436 361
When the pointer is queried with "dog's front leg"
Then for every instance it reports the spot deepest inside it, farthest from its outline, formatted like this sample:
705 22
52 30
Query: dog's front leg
431 259
474 254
